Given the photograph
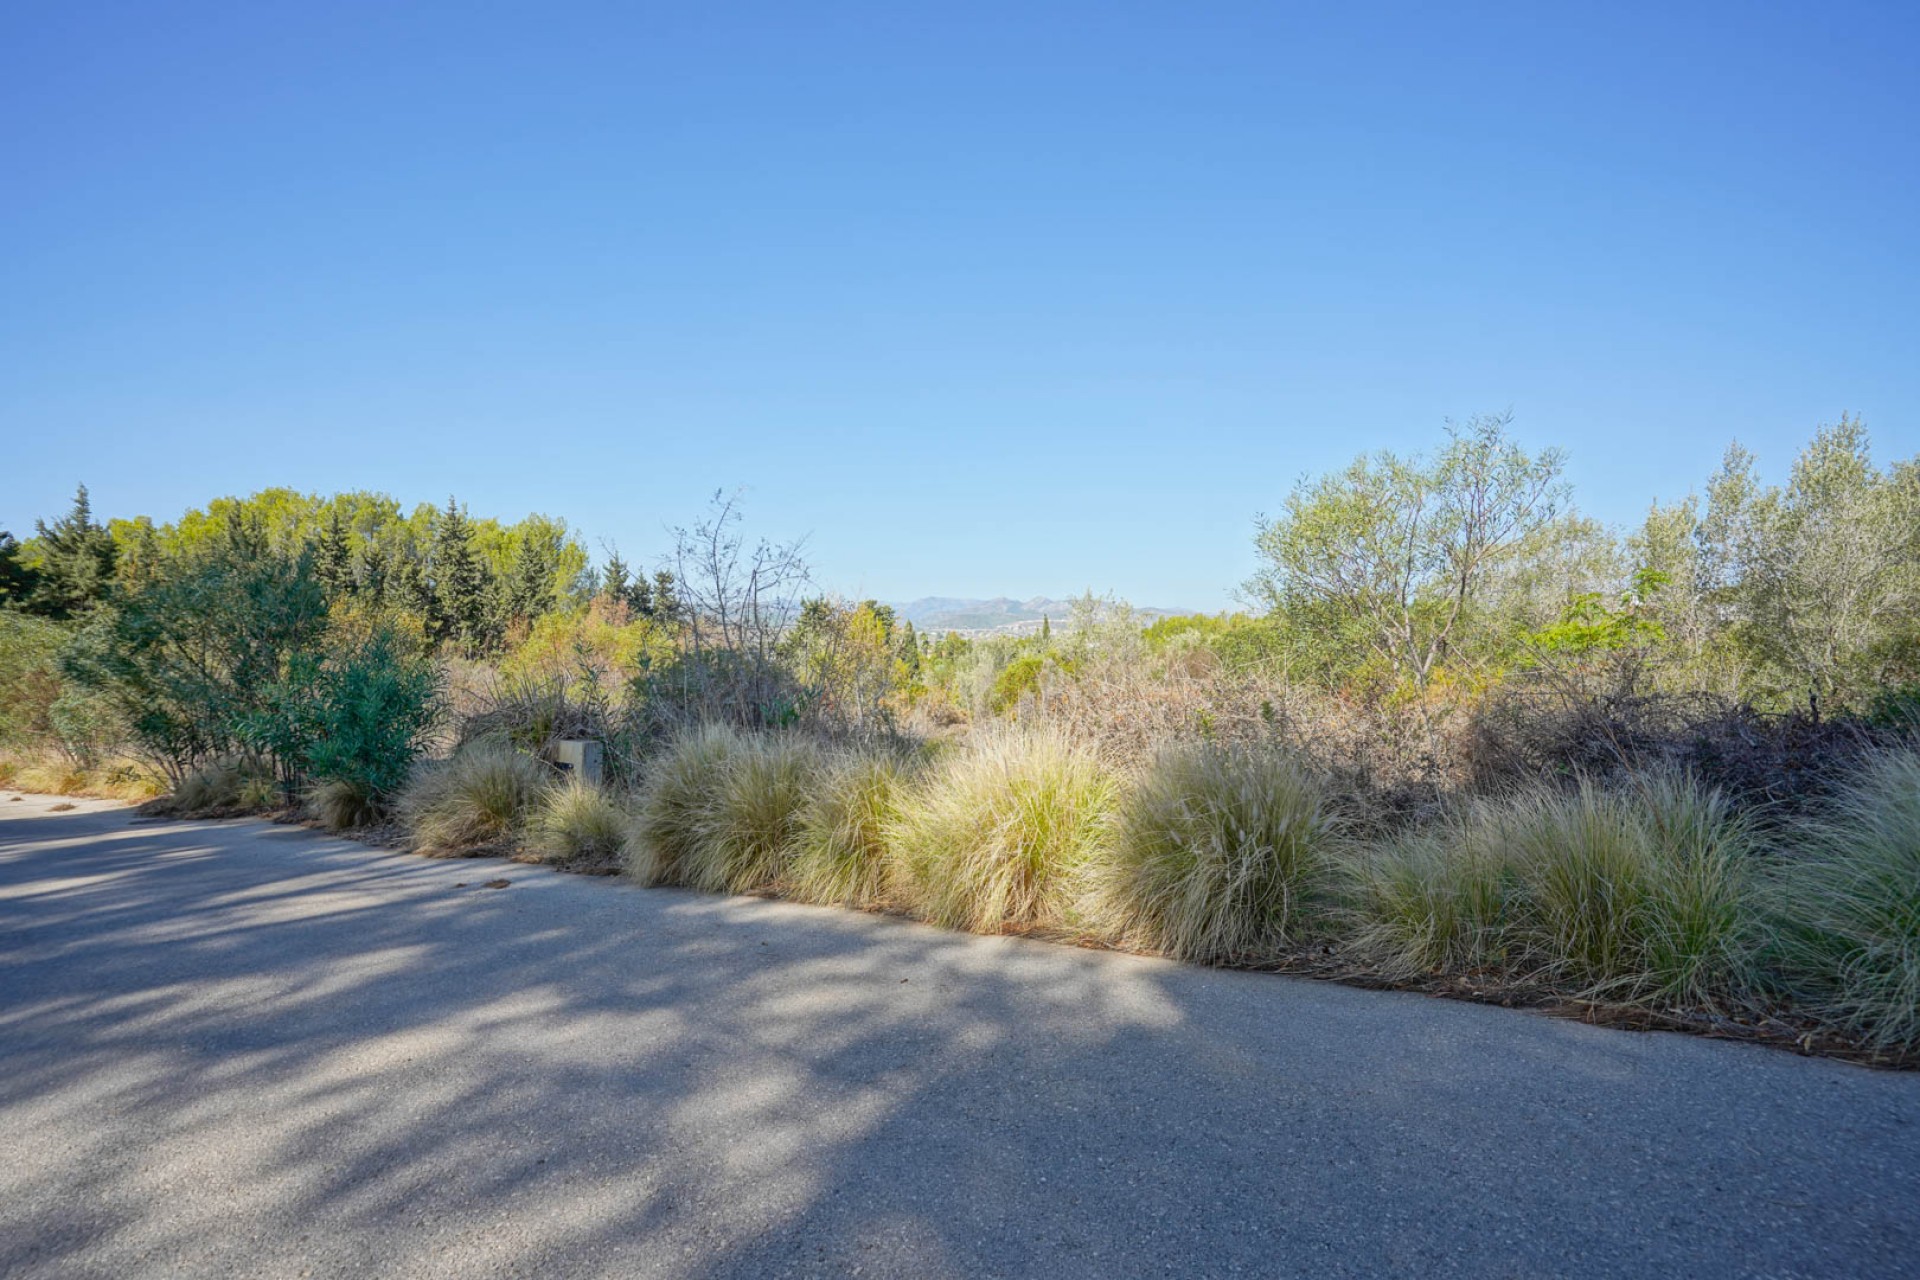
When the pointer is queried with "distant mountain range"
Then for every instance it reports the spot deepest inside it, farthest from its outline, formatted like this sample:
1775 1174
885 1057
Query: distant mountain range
937 615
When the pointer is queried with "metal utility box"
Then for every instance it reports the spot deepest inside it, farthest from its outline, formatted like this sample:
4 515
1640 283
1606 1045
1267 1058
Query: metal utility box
580 758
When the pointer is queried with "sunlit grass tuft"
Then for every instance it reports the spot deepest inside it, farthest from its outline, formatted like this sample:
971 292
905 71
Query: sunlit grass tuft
580 825
1218 855
681 788
840 844
995 834
478 799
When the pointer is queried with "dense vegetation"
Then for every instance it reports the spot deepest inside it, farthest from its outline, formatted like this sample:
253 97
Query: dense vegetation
1463 734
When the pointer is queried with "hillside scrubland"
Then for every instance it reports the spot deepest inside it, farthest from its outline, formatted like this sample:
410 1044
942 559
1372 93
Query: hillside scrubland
1462 738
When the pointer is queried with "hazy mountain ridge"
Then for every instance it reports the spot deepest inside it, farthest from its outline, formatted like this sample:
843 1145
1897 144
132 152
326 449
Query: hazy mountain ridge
937 615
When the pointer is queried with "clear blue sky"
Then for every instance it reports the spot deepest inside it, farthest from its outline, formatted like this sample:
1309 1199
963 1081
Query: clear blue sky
1022 298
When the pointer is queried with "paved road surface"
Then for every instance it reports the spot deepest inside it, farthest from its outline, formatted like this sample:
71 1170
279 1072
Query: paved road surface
233 1049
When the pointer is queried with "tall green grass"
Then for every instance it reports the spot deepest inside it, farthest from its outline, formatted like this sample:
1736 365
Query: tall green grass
1846 908
841 842
1218 855
1432 900
1638 894
996 833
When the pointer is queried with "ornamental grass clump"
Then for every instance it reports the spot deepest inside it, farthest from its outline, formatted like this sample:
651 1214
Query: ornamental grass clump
476 801
342 804
841 841
1432 900
996 834
744 838
1845 906
579 826
676 802
1639 894
1218 855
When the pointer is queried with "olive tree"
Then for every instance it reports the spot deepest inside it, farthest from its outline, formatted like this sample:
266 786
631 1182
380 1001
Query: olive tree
1394 553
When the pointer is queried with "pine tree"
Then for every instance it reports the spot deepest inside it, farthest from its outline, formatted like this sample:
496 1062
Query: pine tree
333 558
528 590
76 562
615 579
17 581
640 598
666 601
457 583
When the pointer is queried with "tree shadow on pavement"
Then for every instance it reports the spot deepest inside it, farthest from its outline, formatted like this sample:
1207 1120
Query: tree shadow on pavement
234 1048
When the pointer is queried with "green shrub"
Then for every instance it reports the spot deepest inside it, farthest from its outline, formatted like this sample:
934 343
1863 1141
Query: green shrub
746 835
372 706
478 799
1219 854
995 835
841 842
1847 908
681 788
579 824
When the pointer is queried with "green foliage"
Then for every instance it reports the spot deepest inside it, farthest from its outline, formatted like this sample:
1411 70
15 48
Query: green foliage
370 705
457 611
193 657
1786 594
1396 553
1219 855
17 579
1588 626
73 563
1017 681
29 677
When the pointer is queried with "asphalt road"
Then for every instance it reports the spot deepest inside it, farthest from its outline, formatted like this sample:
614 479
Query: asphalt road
232 1049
